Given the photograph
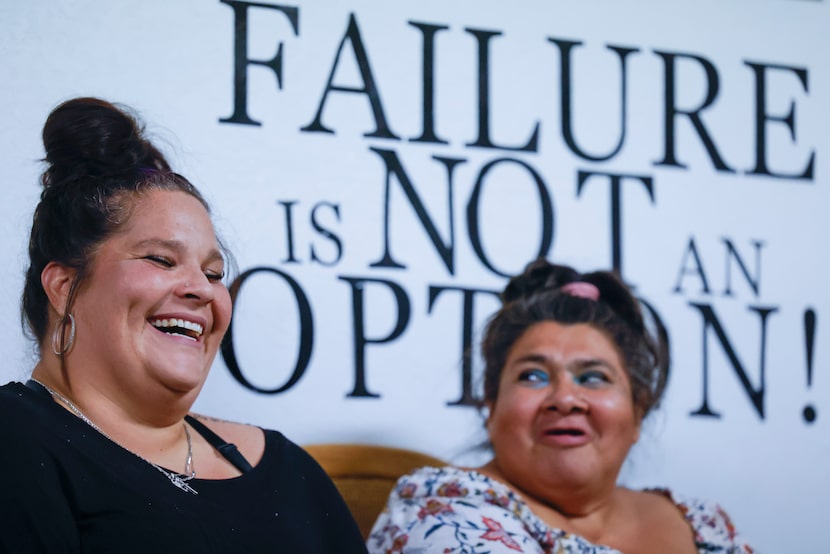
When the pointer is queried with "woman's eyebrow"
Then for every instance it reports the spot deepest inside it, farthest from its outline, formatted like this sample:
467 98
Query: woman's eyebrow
532 357
163 243
587 362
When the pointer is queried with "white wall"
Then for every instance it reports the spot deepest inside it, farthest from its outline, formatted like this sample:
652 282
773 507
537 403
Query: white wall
174 63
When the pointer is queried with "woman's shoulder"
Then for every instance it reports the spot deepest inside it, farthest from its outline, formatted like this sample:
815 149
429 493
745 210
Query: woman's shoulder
710 522
16 414
250 440
231 429
12 391
693 508
22 408
460 490
255 442
452 482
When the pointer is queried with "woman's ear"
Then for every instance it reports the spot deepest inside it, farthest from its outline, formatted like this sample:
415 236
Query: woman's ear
57 282
638 426
487 411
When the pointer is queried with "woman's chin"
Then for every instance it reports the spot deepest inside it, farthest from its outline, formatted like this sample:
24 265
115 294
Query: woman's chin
183 380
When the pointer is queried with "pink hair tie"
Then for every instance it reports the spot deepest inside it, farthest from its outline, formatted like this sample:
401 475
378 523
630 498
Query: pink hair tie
582 290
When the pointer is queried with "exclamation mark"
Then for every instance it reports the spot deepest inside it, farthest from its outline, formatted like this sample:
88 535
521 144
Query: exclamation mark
809 335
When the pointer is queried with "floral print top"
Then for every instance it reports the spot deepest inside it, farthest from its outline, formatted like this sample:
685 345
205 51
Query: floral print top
454 511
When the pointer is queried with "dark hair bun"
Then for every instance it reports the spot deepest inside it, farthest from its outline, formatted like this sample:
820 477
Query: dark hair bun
92 138
539 275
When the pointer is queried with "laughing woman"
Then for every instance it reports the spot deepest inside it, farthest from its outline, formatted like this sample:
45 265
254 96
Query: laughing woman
125 297
570 373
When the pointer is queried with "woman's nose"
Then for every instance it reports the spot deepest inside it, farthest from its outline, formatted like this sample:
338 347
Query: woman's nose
195 284
566 396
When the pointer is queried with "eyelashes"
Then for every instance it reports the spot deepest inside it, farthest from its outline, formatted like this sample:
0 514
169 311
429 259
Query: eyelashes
538 378
160 260
212 275
535 378
592 377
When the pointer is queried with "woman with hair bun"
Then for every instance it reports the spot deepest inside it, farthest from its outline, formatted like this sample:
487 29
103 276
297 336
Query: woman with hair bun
570 373
125 297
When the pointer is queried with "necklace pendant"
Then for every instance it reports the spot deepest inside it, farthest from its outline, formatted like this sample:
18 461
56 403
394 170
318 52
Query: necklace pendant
180 483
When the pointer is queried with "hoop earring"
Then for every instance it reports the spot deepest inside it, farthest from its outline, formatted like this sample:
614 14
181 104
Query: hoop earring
58 335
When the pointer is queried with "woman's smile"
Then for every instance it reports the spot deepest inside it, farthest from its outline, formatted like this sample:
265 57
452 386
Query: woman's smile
179 326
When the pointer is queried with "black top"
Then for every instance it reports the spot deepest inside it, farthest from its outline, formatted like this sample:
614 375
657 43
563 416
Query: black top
64 487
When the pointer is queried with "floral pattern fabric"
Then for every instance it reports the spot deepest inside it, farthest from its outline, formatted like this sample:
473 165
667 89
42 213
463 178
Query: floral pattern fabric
454 511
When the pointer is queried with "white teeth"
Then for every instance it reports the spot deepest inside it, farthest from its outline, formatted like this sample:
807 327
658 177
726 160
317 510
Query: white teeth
181 323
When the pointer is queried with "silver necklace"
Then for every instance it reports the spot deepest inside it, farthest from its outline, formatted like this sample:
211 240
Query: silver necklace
178 479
